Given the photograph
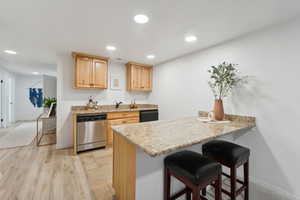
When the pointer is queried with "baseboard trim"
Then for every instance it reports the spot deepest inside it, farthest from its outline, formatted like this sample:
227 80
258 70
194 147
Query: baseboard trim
282 194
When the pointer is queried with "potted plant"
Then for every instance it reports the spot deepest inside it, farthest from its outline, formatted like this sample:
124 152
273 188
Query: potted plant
223 78
47 103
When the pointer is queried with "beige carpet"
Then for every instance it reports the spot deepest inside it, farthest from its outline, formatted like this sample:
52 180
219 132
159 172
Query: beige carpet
19 135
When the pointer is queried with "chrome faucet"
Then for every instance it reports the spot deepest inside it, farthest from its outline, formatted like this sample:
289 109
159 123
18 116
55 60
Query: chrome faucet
118 104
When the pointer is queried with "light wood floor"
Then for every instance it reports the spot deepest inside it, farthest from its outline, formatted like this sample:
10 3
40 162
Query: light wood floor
42 173
45 173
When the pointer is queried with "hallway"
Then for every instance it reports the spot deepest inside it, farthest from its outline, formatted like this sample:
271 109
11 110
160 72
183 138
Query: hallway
19 134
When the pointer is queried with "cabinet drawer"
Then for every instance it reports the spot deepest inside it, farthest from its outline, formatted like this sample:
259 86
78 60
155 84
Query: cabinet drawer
123 121
116 122
121 115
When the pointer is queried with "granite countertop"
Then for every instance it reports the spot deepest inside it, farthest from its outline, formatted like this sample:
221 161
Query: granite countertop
80 110
161 137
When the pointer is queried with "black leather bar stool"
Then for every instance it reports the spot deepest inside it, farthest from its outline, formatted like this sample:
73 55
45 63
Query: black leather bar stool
232 156
195 171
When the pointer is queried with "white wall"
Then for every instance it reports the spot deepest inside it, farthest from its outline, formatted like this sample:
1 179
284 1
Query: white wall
50 86
5 91
271 58
67 96
50 90
24 109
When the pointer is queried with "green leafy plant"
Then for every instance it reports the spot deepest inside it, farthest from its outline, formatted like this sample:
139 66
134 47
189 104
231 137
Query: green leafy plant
48 101
223 78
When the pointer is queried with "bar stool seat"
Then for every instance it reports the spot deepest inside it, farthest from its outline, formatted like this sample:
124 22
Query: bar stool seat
228 153
194 167
193 170
232 156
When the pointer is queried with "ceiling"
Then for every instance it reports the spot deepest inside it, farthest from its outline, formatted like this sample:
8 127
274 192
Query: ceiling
40 29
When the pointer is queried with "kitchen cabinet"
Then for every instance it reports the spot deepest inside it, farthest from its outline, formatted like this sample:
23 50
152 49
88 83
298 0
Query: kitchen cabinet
118 118
90 71
139 77
83 72
99 73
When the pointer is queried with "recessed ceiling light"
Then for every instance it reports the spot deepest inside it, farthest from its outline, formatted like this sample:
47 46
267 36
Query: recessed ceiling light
111 48
190 38
151 56
141 19
10 52
35 73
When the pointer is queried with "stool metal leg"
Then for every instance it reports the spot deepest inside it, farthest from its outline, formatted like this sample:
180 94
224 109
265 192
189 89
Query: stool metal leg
246 180
167 184
233 183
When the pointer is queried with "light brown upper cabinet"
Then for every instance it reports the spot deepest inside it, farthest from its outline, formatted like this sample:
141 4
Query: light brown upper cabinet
139 77
90 71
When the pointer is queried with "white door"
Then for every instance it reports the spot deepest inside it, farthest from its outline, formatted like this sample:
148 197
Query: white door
6 100
10 101
1 103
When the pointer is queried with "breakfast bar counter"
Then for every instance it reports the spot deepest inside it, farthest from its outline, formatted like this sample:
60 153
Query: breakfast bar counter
139 150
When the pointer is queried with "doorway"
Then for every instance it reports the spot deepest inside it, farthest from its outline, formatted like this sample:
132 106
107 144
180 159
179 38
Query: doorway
6 101
10 94
1 103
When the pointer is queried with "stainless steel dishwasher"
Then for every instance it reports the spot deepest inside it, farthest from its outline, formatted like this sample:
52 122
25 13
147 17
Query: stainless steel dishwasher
91 132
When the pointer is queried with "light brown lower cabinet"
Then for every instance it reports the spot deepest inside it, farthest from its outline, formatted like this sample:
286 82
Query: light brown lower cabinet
119 118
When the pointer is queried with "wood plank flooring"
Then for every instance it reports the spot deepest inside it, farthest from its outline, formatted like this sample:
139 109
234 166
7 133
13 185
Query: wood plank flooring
47 139
44 173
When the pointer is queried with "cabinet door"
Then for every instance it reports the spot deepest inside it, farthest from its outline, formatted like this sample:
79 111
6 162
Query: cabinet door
146 78
99 73
83 72
139 77
136 75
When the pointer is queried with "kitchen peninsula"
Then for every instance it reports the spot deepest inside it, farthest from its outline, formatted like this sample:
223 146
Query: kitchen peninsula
139 150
